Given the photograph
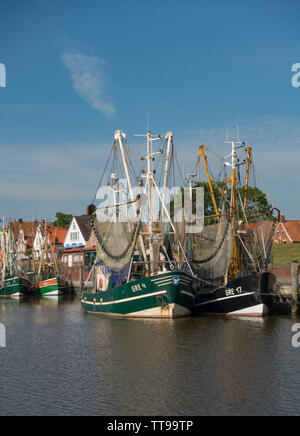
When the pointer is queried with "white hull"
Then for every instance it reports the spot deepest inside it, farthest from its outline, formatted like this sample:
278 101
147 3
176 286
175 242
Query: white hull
16 295
55 293
170 311
258 310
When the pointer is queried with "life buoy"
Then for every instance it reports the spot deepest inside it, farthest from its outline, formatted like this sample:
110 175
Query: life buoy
101 283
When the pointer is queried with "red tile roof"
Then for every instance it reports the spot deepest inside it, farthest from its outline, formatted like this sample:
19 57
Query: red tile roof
293 230
29 229
57 235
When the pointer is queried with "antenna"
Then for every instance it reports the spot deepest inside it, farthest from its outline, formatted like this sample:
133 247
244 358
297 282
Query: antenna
238 132
226 133
148 123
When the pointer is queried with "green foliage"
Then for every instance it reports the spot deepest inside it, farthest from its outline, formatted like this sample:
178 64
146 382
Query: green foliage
63 219
257 201
221 194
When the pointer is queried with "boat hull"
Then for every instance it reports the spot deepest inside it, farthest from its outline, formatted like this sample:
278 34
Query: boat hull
246 296
168 295
50 287
15 287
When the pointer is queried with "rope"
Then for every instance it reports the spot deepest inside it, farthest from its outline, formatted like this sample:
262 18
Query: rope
264 188
105 168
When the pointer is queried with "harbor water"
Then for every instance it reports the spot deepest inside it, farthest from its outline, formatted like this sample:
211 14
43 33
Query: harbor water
60 361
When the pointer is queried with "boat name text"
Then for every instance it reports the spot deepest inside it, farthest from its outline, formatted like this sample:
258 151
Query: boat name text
232 292
138 287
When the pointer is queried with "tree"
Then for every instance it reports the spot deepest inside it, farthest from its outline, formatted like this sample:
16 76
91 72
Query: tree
63 220
257 202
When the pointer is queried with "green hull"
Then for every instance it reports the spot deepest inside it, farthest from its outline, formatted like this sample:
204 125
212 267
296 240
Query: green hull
50 287
15 287
168 295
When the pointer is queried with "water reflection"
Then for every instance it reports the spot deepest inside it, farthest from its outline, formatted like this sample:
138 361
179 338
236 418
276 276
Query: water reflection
60 360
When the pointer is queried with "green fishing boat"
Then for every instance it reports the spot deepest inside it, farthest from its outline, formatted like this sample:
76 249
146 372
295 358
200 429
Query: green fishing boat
47 280
50 287
141 270
15 287
12 280
169 295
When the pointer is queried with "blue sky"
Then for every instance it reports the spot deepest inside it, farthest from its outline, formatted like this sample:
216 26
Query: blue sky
194 66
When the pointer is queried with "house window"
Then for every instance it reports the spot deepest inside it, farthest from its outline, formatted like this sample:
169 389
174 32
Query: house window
74 236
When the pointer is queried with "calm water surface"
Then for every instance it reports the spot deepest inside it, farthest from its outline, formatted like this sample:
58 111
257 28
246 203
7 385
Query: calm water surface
60 361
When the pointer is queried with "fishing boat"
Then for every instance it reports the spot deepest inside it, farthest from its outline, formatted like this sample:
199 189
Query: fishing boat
141 269
48 282
13 283
231 255
50 287
15 287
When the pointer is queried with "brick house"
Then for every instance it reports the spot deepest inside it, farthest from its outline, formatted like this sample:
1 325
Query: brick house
287 232
24 233
79 247
55 239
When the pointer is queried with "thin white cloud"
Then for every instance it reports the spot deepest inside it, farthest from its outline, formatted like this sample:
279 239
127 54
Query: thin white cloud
37 182
87 74
276 150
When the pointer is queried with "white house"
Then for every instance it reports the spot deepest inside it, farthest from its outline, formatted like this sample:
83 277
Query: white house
79 238
78 233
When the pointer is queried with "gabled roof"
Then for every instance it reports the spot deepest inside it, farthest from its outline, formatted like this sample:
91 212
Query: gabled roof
29 229
84 226
293 230
58 235
54 233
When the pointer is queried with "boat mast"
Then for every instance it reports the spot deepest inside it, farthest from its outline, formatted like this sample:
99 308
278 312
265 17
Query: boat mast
201 153
46 244
150 206
119 136
41 265
150 184
4 252
169 139
248 149
235 264
10 250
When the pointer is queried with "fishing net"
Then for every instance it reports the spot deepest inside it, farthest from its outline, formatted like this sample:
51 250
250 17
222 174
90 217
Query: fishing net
116 238
211 249
258 242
